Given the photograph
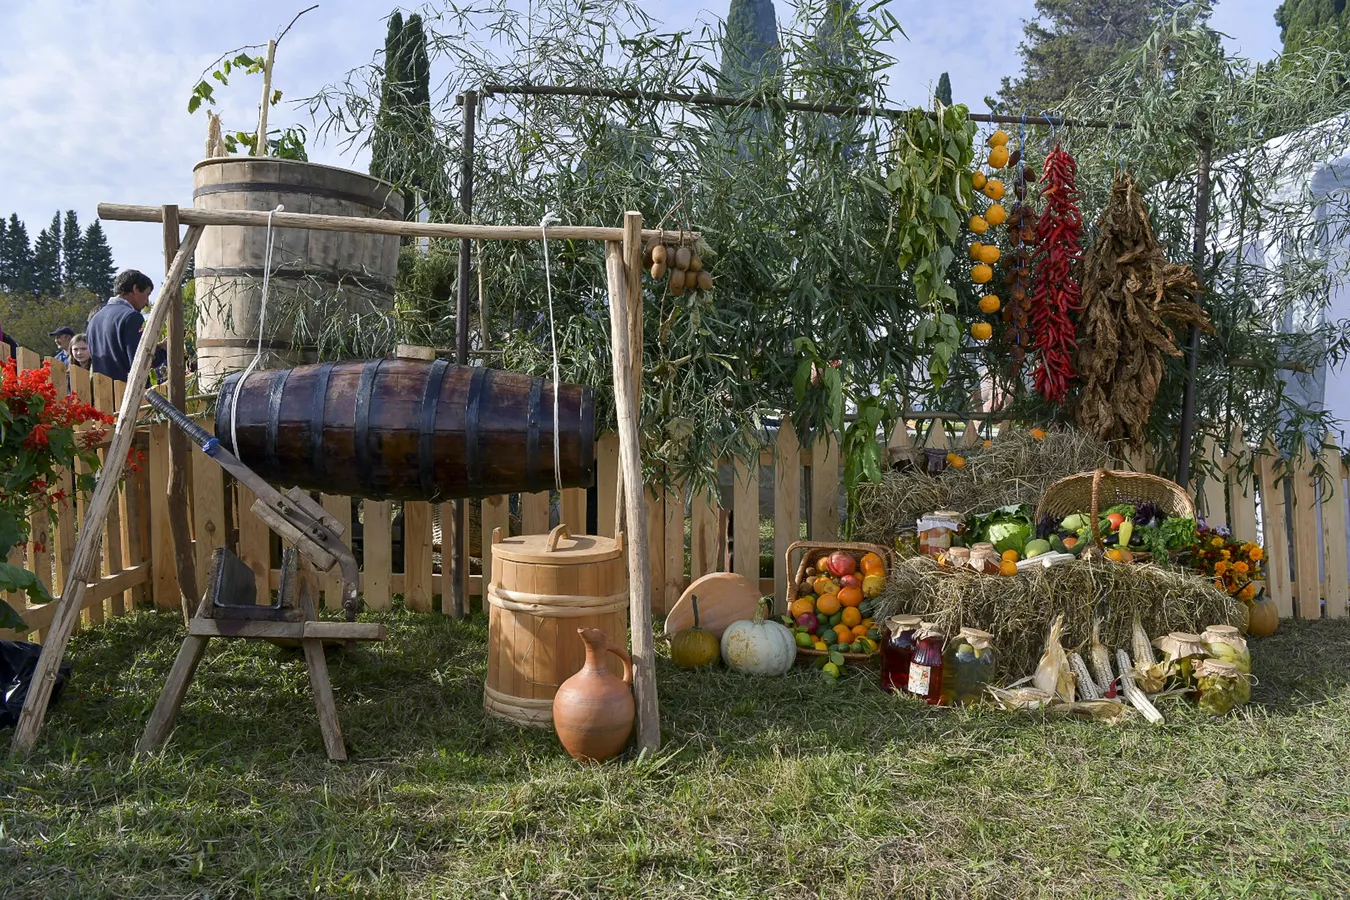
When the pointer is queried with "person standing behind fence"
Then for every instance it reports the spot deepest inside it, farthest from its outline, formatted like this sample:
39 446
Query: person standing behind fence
114 331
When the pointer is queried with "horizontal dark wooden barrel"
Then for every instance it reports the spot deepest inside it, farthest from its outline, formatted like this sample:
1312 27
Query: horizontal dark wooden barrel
399 429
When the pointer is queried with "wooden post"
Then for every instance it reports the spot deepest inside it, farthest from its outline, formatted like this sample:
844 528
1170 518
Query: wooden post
180 453
627 407
456 583
260 141
105 493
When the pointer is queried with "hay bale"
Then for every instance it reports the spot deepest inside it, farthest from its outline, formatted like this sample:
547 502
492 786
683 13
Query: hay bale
1016 468
1018 610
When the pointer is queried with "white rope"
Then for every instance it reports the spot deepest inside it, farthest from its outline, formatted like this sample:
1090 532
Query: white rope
262 322
551 218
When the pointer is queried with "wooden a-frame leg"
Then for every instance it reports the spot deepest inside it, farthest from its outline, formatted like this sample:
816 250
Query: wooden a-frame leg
171 698
318 678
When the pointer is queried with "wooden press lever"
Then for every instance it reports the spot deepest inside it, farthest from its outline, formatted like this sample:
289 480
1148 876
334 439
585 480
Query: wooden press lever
229 607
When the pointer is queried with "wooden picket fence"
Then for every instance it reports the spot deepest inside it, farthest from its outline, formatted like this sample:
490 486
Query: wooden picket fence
1298 505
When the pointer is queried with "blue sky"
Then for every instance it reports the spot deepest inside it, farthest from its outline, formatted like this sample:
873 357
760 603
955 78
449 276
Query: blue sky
93 93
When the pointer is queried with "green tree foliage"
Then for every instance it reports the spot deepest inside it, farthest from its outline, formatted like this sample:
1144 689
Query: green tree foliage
72 247
47 260
944 90
750 64
1071 42
16 258
404 147
96 268
30 321
1305 22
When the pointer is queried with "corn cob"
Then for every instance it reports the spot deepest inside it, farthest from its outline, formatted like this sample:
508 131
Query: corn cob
1087 688
1151 674
1132 693
1101 662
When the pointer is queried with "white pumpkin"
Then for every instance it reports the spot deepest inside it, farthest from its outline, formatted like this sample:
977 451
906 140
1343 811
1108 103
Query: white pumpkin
757 647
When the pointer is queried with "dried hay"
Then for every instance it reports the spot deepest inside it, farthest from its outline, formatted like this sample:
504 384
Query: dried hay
1016 468
1018 609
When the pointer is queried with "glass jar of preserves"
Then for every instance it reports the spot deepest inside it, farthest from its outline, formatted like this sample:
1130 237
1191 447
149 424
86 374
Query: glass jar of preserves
939 531
897 646
968 667
925 665
907 541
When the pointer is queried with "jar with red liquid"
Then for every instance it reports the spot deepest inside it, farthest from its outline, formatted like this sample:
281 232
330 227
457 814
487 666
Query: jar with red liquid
897 646
925 665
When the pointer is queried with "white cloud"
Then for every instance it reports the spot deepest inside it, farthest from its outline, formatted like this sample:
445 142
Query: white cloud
93 94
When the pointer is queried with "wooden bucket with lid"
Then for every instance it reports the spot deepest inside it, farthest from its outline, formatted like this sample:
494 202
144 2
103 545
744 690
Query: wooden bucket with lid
543 588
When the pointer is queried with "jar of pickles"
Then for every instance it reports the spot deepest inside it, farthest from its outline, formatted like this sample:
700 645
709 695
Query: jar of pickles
968 666
897 648
938 531
1220 686
907 541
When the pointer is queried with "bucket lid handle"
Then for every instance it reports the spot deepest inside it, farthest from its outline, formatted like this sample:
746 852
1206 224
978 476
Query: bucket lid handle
554 536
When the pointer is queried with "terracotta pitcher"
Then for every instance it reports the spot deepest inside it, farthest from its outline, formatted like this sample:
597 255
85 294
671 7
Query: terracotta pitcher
593 710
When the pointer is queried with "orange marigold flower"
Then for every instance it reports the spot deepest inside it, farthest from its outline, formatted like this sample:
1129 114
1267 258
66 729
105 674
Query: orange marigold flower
1248 593
1216 542
1240 568
1220 567
1255 553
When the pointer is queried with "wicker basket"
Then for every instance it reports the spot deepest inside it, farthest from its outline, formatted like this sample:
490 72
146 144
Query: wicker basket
1094 491
806 654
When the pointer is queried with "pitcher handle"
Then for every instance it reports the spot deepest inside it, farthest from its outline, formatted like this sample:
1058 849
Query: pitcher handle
627 661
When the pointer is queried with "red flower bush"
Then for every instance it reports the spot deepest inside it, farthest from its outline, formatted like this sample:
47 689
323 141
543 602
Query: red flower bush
40 435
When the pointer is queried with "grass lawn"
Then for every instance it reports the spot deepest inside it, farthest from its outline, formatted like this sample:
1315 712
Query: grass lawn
781 788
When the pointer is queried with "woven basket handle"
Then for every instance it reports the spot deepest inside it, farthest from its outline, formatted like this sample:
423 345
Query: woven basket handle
1096 506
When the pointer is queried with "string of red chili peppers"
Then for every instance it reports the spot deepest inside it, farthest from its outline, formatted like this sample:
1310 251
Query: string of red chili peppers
1055 293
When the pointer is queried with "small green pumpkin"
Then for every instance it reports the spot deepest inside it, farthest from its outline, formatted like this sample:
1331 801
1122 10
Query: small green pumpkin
694 648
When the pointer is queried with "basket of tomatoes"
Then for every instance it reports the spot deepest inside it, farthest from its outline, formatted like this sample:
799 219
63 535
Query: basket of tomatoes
830 600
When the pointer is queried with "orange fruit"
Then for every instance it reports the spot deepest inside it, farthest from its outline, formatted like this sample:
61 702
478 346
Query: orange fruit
998 157
975 250
989 254
978 180
1038 434
956 461
851 617
825 585
978 224
851 597
1007 568
873 585
998 138
801 606
996 214
859 631
993 189
872 564
845 633
981 274
1010 556
828 604
982 331
990 303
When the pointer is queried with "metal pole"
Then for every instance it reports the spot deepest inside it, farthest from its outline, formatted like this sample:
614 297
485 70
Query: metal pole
1193 350
459 510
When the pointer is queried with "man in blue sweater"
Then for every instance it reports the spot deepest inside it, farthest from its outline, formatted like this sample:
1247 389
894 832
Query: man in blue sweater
115 330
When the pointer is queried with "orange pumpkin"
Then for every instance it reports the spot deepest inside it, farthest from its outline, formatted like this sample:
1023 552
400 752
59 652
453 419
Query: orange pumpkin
1263 618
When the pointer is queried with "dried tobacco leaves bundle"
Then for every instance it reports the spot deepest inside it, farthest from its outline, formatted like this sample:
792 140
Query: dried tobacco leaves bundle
1133 297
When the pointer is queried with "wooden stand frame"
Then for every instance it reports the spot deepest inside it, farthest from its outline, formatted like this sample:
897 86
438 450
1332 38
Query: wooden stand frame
623 265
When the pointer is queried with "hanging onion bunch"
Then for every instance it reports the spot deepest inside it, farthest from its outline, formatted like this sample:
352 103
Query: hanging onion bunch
1130 292
680 263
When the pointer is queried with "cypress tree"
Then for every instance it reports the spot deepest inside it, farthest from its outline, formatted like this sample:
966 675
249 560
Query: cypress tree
751 62
944 90
96 270
384 143
47 260
72 247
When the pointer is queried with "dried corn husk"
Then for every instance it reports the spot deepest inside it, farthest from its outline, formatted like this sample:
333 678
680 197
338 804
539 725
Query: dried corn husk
1054 674
1225 642
1098 710
1101 662
1149 675
1021 698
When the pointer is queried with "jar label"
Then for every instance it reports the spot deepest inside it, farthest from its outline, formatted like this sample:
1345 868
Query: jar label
920 678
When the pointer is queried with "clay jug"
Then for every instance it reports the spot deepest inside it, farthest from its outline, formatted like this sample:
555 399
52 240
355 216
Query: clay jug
593 710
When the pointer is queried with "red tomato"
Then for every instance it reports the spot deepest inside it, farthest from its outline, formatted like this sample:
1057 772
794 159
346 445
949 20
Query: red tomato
1115 519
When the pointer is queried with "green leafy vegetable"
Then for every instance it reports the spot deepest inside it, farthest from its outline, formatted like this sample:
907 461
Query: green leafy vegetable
1007 528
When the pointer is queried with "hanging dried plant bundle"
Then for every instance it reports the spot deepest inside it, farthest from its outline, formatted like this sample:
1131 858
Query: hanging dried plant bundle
1133 297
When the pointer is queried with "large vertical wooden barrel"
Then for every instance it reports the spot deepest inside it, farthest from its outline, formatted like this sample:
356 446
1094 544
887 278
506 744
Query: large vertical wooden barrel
319 278
543 588
403 429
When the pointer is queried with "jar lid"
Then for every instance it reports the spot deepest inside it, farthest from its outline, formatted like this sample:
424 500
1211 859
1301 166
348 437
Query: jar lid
928 630
980 640
557 548
906 623
1217 668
